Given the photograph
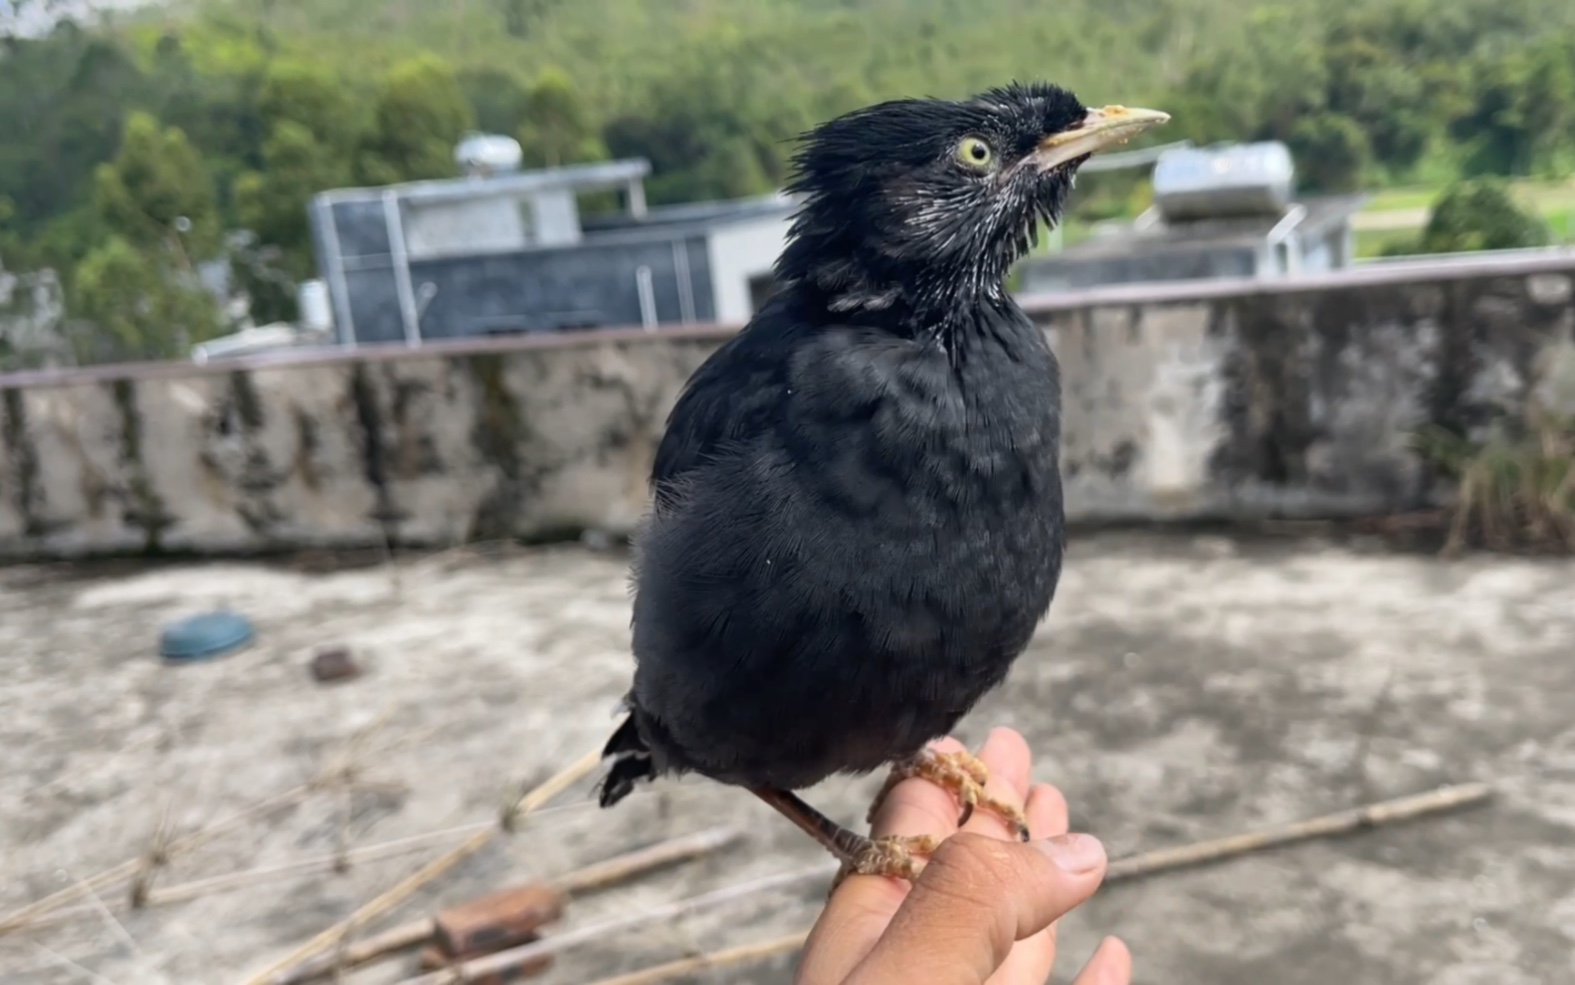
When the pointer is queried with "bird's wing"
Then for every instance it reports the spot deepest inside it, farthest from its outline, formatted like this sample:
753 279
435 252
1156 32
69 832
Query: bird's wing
736 394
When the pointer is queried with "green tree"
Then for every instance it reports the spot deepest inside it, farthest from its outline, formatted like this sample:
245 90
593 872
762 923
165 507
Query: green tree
1545 106
311 96
1489 128
1480 214
1272 82
156 192
138 287
1518 116
314 129
522 18
212 97
717 126
138 307
1331 152
272 202
557 129
497 96
62 104
418 116
1383 94
315 125
711 91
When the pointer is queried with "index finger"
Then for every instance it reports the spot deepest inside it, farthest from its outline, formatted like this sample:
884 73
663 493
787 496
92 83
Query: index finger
860 910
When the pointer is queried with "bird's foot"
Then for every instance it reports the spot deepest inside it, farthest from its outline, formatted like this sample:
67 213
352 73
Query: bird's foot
895 857
961 774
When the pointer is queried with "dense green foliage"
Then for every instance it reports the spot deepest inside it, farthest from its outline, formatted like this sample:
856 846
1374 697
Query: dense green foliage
126 152
1480 215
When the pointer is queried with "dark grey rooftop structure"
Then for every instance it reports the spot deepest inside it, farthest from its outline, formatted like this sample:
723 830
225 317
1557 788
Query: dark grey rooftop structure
1218 212
1311 235
509 252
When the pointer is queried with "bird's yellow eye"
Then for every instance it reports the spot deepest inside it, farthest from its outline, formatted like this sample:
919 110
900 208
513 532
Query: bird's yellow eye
975 153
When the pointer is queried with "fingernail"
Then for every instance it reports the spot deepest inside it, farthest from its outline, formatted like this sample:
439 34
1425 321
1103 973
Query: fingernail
1075 853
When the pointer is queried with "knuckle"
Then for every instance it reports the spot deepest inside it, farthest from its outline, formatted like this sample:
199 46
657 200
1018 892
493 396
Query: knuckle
977 879
979 851
974 866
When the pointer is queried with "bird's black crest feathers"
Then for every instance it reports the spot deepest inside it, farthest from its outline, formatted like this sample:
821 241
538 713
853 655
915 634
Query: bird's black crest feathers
890 215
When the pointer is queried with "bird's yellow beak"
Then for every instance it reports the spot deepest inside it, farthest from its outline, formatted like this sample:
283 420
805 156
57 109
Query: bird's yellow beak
1100 129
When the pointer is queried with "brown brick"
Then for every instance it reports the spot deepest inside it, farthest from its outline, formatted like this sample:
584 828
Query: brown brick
497 920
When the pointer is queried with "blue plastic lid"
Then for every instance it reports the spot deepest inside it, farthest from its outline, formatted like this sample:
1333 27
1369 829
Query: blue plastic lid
206 636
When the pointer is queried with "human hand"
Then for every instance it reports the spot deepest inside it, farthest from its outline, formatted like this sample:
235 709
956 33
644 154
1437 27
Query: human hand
984 910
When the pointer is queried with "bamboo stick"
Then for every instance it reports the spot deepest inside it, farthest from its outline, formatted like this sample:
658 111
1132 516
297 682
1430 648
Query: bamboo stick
591 877
1131 867
513 957
334 936
747 954
1329 825
1135 866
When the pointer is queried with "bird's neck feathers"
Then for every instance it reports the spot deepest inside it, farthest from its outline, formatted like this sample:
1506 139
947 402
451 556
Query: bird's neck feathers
833 264
827 262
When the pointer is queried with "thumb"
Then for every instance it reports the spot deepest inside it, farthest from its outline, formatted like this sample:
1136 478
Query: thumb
976 898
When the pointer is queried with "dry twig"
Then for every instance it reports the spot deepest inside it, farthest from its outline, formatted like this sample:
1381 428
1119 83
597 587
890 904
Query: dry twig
1147 863
165 847
1329 825
129 868
336 935
587 879
747 954
196 888
337 862
503 961
621 868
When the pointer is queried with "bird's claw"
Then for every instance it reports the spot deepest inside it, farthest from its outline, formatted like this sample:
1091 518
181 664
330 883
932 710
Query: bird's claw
895 857
964 776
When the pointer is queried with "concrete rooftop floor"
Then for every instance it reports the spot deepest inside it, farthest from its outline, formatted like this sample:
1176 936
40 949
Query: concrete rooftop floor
1186 686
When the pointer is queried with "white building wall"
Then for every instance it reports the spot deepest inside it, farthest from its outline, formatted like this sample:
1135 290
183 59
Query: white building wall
557 215
738 252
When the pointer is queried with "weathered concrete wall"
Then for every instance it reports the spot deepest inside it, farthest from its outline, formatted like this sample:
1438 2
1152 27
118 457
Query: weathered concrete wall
1301 398
1215 400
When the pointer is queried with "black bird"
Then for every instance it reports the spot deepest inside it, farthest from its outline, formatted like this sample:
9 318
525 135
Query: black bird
857 519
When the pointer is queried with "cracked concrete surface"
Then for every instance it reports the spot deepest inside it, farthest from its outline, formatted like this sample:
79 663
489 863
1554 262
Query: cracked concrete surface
1186 686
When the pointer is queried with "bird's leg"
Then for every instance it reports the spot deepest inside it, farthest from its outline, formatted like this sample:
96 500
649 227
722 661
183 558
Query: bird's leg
897 857
960 773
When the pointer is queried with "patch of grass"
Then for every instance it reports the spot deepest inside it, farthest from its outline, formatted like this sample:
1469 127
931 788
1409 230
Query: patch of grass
1542 195
1562 222
1385 242
1401 199
1514 493
1553 201
1546 196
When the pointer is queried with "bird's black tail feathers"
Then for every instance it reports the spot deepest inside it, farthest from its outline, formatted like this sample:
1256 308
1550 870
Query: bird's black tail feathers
631 763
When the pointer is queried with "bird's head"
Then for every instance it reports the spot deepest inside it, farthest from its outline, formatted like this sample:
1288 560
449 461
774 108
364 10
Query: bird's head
929 201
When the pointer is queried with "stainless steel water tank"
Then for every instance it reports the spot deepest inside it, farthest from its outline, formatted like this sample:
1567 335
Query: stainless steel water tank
1224 180
487 153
